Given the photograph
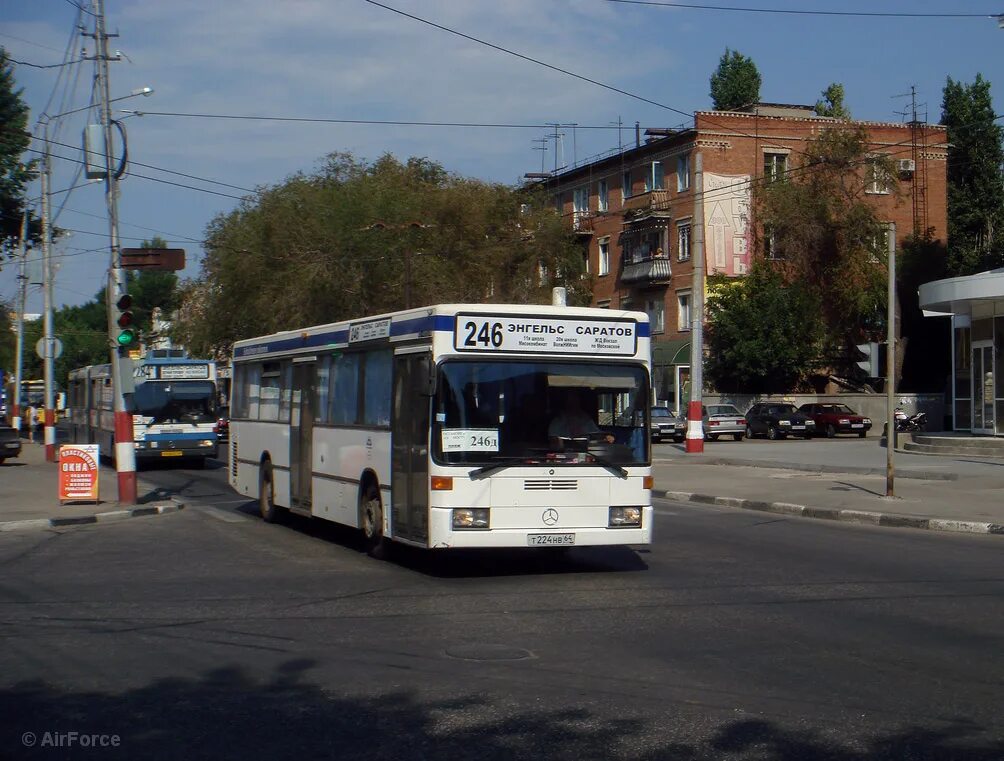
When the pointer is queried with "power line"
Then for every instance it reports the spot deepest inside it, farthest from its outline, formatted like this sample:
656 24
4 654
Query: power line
739 9
537 61
386 122
45 66
29 42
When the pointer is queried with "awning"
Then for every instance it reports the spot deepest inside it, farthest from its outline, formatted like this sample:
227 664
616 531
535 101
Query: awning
675 352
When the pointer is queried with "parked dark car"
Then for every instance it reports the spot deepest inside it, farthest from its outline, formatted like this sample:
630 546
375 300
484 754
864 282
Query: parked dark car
778 421
10 443
832 419
664 424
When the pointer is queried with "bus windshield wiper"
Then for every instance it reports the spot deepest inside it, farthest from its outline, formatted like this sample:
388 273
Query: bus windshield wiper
607 464
504 462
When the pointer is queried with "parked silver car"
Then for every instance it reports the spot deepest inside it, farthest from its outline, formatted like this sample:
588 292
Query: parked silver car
723 420
667 425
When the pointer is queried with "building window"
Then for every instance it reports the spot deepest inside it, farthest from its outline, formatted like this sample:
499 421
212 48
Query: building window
654 177
683 172
602 200
683 310
603 267
775 166
626 184
878 180
880 243
580 200
656 310
683 241
770 248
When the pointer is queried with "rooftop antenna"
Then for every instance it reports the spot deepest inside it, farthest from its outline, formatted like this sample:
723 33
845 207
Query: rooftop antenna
620 140
557 136
543 150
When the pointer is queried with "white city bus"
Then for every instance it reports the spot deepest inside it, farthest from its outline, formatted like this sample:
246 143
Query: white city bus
173 408
434 427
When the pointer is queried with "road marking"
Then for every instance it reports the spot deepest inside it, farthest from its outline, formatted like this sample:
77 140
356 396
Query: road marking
225 515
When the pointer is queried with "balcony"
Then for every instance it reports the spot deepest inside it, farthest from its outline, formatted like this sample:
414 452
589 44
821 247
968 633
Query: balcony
649 271
652 202
582 222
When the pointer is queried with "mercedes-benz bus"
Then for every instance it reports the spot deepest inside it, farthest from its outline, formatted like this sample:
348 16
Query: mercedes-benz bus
434 427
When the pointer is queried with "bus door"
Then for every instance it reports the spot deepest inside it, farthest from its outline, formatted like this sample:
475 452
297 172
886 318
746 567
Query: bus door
410 447
301 434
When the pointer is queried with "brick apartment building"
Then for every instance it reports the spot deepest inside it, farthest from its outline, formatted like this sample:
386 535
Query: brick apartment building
634 210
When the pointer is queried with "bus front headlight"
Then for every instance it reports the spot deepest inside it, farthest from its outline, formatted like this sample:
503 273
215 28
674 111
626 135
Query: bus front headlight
625 516
206 443
468 517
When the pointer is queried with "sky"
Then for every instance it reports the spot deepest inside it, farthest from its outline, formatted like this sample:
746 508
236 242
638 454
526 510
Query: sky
354 60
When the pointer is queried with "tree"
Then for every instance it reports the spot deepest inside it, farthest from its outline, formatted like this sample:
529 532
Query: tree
8 339
921 260
735 83
152 289
763 333
975 185
822 232
337 244
14 175
832 103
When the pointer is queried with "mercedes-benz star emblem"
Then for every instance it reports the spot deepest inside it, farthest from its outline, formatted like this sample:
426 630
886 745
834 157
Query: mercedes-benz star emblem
550 516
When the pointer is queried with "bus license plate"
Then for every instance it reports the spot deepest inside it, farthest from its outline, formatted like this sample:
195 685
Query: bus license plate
550 540
171 453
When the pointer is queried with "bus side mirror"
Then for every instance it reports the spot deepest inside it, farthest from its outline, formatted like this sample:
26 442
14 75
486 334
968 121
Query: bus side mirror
427 376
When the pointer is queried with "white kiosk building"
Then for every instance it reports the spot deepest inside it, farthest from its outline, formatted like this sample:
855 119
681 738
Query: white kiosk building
975 304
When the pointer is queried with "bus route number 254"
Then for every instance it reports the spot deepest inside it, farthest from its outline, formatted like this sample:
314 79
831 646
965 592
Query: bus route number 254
486 334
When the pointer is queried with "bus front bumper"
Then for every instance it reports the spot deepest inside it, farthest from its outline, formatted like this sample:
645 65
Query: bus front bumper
183 450
442 535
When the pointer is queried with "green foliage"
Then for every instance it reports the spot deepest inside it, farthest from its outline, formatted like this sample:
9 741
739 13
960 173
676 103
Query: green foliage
832 103
14 175
763 334
735 83
828 236
975 184
310 251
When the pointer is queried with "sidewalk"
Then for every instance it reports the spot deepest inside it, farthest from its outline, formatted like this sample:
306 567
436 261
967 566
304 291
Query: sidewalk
29 497
972 504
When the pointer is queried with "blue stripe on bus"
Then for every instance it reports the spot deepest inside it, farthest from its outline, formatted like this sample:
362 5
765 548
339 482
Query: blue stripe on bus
180 436
440 323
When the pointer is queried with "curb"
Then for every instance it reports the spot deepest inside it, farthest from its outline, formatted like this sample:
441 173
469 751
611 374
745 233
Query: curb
924 475
160 508
895 520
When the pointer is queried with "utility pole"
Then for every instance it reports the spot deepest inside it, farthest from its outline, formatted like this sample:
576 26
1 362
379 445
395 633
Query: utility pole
695 424
22 297
890 368
49 412
125 452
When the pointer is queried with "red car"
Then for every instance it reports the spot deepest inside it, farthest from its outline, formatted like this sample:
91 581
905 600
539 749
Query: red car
836 418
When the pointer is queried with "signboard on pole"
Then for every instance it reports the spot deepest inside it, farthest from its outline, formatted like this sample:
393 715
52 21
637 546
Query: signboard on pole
78 473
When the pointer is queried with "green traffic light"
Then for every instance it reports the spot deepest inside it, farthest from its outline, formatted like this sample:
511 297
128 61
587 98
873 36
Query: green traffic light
126 337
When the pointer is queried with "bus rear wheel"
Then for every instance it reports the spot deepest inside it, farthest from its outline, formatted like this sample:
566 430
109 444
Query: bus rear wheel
371 522
270 513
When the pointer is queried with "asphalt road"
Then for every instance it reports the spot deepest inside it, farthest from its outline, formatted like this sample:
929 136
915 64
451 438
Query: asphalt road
209 634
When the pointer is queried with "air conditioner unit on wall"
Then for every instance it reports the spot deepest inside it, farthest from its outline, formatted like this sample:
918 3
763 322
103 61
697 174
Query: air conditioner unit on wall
906 165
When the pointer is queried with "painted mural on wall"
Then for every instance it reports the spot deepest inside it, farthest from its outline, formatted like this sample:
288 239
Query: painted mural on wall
727 241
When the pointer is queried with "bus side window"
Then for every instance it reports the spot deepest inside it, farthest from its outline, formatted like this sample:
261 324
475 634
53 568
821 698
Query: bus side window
345 393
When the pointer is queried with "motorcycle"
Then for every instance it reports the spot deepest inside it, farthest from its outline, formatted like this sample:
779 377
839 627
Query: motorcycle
907 423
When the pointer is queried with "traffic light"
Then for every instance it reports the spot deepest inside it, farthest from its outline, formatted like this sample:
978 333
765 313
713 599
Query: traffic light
126 335
872 363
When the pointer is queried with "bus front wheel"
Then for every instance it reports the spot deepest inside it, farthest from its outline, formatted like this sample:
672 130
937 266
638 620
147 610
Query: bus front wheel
266 494
371 522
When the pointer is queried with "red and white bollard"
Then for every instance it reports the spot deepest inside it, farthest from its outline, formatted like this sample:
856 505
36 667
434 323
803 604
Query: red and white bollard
695 429
125 458
50 435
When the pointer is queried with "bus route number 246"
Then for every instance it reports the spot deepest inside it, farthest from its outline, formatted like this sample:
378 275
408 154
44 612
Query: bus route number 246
488 334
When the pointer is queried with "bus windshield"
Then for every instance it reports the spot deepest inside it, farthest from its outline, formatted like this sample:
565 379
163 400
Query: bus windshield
540 412
176 402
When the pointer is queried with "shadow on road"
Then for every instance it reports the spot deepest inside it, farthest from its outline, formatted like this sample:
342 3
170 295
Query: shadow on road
471 563
225 713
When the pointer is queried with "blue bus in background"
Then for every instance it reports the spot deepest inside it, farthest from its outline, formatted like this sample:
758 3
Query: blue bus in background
173 408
